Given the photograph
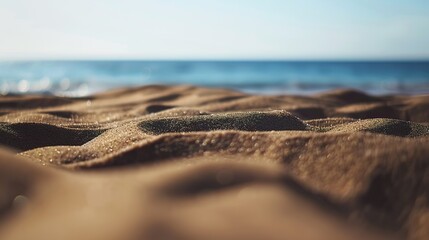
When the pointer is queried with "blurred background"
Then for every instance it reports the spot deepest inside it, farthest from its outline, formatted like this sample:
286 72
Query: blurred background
75 48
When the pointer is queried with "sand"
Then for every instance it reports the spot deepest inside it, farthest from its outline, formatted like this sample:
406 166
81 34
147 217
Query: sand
185 162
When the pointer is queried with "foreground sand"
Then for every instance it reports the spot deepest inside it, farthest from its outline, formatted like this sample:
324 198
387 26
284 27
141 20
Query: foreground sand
184 162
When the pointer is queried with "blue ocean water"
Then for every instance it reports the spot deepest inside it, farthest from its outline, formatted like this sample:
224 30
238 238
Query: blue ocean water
79 78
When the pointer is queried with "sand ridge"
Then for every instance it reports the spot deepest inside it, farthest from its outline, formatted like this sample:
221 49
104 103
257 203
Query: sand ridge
185 162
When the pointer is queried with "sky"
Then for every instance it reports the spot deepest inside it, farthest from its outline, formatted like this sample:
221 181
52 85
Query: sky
214 29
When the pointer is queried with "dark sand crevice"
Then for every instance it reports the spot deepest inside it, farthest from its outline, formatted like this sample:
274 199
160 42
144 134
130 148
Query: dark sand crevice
65 114
385 126
165 98
25 136
157 108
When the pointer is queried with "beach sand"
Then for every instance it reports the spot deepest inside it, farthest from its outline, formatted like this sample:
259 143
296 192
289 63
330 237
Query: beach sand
185 162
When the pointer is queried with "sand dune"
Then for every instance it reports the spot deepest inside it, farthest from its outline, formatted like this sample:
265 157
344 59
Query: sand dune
184 162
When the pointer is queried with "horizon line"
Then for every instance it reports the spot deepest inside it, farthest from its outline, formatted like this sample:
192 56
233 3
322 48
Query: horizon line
219 59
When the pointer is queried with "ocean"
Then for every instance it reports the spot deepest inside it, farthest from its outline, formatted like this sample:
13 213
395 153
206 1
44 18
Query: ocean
80 78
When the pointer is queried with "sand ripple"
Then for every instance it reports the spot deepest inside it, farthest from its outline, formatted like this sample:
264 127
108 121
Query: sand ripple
184 162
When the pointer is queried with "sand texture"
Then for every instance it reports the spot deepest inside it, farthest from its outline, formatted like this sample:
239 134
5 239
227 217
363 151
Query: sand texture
184 162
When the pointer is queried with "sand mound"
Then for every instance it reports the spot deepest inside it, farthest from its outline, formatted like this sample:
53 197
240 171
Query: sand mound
245 121
184 162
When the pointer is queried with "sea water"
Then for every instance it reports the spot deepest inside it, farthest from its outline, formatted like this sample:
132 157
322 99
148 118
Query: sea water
80 78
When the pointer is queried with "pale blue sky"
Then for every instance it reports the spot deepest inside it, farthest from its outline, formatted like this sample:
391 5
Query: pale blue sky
214 29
